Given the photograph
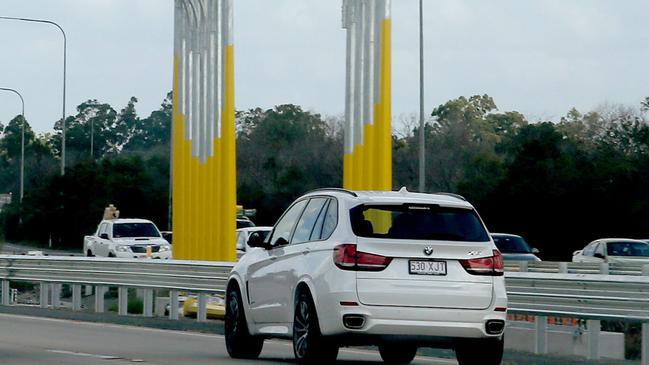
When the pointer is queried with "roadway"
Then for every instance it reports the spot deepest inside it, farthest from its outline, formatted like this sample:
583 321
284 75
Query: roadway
36 341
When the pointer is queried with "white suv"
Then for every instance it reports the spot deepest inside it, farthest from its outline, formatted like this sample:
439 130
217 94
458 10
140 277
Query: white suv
399 270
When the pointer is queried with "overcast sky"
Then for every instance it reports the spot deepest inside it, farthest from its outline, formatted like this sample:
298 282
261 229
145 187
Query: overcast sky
538 57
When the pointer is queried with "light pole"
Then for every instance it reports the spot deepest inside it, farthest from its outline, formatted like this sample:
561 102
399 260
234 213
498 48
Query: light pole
65 41
22 141
422 140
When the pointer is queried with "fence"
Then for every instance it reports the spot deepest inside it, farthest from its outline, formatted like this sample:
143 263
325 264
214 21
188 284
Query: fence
539 289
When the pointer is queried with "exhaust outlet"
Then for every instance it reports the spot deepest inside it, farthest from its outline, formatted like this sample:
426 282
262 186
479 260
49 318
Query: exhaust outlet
495 327
354 321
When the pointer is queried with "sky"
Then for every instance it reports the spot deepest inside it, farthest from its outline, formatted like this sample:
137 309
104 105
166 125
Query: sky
539 57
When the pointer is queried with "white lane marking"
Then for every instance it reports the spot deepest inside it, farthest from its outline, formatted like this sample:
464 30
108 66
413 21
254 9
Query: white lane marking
83 354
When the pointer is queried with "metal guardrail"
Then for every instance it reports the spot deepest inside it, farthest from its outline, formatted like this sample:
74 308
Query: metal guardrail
539 289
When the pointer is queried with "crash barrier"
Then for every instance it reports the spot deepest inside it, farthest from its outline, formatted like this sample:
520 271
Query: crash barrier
199 277
589 296
577 267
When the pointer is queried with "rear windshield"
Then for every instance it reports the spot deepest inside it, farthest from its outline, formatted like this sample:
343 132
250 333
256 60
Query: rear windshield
511 244
135 230
417 222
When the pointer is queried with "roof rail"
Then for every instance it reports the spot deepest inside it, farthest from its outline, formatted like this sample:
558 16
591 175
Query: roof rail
339 190
457 196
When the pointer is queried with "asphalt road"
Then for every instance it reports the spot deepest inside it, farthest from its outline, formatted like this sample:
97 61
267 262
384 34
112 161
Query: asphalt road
36 341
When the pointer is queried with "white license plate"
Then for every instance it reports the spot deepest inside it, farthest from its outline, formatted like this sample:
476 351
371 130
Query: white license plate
427 267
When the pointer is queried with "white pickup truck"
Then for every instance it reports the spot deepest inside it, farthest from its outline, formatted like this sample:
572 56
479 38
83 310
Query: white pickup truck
127 238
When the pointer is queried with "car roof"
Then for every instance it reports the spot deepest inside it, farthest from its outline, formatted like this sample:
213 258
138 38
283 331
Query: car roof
393 197
506 235
606 240
127 220
258 228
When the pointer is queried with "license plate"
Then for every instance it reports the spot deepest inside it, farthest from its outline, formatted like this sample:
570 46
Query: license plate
427 267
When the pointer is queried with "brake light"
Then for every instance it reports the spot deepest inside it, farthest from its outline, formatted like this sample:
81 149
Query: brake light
347 257
493 265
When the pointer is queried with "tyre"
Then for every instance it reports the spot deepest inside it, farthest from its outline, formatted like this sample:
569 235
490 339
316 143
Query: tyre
238 341
397 354
110 254
479 351
89 254
309 346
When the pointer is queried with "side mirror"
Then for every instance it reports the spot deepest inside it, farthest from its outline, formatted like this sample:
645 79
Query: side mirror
256 240
104 236
599 255
535 251
280 242
576 253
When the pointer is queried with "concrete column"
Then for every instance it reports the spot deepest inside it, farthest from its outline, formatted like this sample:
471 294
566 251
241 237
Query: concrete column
100 290
76 297
201 316
645 344
541 335
56 295
645 270
524 266
594 328
173 304
45 295
122 300
563 267
604 268
147 298
87 290
5 292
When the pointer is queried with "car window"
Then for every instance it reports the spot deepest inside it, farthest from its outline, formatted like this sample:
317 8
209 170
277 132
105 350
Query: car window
241 241
628 248
317 229
418 222
307 220
284 227
330 220
102 229
590 249
135 230
600 248
511 244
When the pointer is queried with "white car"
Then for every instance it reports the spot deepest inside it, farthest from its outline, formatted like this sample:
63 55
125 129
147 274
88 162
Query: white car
399 270
127 238
244 234
614 250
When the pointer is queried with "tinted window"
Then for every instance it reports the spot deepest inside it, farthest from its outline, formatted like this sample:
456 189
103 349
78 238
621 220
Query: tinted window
627 249
317 230
284 226
244 223
418 222
511 244
135 230
330 220
307 221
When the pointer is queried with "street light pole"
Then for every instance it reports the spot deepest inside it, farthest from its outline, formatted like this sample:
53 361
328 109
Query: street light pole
422 140
22 141
65 45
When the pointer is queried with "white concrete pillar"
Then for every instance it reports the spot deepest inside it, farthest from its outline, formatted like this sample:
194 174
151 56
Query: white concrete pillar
541 335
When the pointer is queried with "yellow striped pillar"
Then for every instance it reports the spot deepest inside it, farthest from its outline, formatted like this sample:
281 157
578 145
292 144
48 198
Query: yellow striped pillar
203 141
368 114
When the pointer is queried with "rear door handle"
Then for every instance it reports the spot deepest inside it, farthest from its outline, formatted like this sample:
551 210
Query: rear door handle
306 251
273 258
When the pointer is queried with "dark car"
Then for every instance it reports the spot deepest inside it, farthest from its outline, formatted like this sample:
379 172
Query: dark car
514 248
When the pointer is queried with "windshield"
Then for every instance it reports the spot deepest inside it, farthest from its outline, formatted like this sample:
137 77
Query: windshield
627 249
123 230
417 222
511 244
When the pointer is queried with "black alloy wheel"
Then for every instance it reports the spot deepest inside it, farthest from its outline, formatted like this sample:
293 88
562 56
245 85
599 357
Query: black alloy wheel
309 346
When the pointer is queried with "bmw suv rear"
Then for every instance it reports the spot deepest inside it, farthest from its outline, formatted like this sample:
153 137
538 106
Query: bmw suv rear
399 270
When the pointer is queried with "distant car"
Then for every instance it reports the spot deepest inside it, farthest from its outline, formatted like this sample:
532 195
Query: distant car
214 307
514 248
127 238
244 234
621 250
244 222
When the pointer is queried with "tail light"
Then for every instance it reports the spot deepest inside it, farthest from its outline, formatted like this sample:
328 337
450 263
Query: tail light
493 265
347 257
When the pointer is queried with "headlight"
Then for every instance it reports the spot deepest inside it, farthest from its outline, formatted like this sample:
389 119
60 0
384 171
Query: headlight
122 249
164 248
